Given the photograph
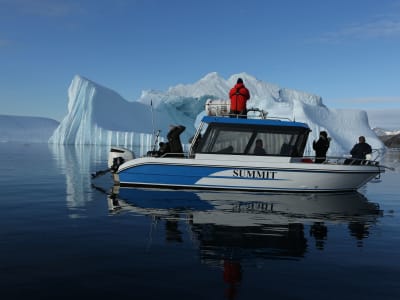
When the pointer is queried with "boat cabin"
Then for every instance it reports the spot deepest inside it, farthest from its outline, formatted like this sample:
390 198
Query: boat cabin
236 136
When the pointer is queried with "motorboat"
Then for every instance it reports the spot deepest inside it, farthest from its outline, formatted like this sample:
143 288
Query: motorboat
222 156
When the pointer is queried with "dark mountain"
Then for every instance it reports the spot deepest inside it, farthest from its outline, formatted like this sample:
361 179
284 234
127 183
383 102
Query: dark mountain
391 141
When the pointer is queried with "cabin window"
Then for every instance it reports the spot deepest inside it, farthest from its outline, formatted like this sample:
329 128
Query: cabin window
276 143
228 139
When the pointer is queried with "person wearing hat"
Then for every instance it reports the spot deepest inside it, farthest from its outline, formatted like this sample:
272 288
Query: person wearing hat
239 95
321 147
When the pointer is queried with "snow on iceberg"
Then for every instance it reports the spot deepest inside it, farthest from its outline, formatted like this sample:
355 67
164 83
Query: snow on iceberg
98 115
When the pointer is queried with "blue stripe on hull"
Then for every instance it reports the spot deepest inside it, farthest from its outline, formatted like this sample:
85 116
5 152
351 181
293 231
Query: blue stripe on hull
171 175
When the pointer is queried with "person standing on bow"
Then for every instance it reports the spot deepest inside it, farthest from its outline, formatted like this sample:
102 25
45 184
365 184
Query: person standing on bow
239 95
321 147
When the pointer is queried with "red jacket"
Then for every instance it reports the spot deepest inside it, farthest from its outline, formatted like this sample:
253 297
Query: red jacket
239 95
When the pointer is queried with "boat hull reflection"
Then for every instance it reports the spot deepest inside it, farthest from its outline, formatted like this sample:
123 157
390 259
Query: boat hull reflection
243 209
237 226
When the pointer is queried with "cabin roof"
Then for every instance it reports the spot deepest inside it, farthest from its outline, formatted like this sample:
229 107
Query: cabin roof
268 122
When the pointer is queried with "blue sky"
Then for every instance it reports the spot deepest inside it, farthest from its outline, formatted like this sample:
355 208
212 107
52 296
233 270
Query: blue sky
346 51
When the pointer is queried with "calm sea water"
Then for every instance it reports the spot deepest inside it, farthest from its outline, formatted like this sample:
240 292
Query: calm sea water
64 238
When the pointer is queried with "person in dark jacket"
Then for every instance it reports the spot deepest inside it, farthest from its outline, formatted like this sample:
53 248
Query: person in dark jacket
239 95
258 149
164 148
321 147
361 149
174 139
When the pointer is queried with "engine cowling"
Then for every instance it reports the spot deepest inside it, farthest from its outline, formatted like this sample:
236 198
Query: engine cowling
117 156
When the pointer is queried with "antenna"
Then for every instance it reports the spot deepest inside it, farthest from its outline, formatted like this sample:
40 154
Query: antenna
152 116
155 136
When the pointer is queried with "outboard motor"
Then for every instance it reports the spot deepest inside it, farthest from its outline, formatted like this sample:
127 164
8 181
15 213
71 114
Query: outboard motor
117 156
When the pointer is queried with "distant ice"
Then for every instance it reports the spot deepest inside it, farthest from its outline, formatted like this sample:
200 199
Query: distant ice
26 129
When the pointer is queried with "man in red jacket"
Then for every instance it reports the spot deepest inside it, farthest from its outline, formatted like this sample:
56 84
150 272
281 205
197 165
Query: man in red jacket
239 95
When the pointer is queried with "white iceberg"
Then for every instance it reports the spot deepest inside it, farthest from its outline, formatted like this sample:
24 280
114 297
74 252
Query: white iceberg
99 116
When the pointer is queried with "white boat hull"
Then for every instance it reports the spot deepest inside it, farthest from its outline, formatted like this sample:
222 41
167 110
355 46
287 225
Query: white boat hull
227 172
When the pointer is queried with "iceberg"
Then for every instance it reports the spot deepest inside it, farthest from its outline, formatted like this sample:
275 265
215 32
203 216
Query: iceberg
100 116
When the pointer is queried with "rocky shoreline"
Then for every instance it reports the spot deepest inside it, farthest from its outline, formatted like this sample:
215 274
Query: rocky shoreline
391 141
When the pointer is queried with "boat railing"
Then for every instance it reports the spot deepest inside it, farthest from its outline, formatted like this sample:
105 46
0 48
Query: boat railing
263 114
255 113
352 161
175 155
336 160
221 108
371 159
331 160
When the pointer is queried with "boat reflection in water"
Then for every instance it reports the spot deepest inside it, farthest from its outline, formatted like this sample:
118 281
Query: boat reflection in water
232 228
269 221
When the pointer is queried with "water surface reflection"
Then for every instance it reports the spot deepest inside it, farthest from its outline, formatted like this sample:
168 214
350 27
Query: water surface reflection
231 229
260 224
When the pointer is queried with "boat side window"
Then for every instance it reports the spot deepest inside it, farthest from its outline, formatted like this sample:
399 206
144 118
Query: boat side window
275 143
301 143
288 145
226 140
294 146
